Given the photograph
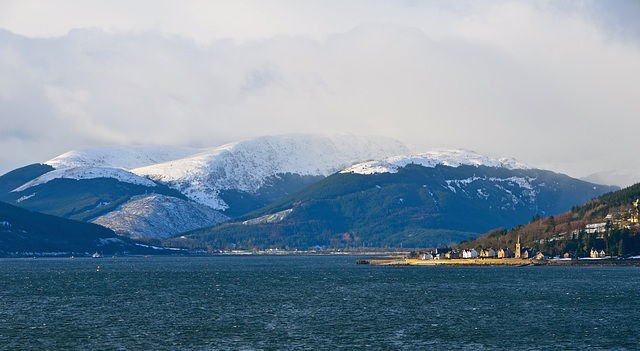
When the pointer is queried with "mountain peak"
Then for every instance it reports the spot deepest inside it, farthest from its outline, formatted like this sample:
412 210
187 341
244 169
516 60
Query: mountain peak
246 165
126 157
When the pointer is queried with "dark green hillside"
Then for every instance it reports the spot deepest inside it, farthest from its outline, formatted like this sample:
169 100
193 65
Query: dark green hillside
81 199
17 177
23 231
565 233
416 207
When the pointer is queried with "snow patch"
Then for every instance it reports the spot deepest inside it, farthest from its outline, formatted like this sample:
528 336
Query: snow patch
107 241
272 218
26 197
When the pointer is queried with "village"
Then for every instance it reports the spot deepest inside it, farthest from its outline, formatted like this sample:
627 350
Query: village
622 220
520 253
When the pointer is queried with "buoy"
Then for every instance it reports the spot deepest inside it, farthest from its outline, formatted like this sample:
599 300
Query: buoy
97 270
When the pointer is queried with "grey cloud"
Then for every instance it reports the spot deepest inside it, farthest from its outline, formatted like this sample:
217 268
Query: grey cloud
540 95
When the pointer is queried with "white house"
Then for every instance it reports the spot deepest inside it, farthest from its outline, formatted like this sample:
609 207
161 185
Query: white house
469 253
427 256
596 228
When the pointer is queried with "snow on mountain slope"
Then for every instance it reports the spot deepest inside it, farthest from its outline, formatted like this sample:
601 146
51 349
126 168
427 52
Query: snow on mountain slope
158 216
453 158
110 162
126 157
246 165
78 173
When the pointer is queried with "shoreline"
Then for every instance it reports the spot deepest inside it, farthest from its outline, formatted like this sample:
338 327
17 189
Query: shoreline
491 262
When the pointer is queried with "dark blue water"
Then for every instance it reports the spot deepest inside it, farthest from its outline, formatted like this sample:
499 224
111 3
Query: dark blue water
312 303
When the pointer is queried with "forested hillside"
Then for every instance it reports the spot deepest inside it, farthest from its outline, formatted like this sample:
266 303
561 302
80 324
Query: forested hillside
613 215
416 207
25 232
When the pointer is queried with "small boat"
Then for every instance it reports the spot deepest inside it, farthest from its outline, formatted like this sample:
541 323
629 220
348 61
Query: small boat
97 255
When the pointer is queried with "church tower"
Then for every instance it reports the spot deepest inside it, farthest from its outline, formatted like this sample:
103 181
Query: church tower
518 249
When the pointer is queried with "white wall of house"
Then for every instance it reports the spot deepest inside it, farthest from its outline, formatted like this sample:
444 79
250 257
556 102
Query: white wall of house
469 253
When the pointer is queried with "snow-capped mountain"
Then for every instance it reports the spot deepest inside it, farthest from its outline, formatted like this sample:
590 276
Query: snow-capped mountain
109 162
248 165
125 157
87 172
452 158
112 185
203 174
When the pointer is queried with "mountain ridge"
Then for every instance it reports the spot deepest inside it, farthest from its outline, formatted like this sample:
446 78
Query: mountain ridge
417 205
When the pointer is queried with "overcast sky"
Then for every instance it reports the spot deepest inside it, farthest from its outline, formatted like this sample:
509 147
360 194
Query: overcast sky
554 84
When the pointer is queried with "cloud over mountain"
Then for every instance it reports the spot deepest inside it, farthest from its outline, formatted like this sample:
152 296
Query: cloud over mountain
485 76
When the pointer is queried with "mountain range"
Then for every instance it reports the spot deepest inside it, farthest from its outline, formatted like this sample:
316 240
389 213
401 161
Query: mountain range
425 200
133 189
323 190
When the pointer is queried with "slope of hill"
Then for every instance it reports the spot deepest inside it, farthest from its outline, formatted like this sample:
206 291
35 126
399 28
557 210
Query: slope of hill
22 175
82 199
158 216
408 204
610 217
25 232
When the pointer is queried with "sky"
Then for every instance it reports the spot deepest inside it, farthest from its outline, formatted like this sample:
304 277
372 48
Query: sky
554 84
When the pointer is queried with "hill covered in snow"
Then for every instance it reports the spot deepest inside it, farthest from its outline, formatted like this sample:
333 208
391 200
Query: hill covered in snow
111 182
126 157
248 167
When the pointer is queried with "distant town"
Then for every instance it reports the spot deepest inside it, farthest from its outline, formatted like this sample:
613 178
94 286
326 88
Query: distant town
624 220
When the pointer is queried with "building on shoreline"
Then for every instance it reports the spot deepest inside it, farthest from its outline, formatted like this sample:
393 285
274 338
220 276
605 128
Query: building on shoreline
505 253
488 253
469 253
597 253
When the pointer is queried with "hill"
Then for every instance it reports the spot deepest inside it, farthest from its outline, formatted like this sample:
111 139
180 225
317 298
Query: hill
24 232
81 199
22 175
607 223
